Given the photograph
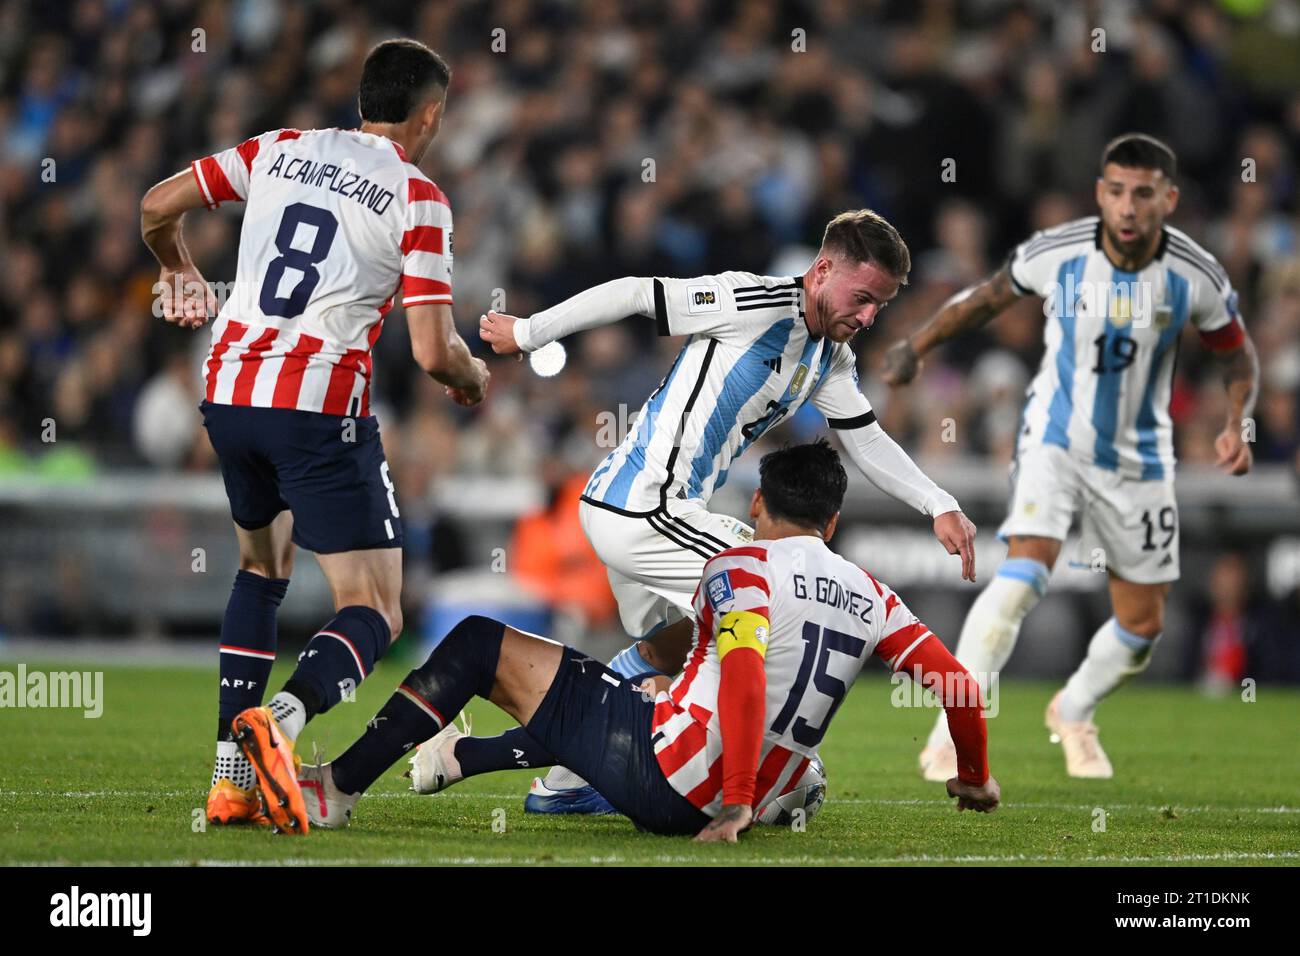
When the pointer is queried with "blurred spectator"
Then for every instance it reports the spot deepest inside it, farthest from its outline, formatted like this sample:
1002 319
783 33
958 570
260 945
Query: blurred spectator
551 556
1225 636
679 138
671 137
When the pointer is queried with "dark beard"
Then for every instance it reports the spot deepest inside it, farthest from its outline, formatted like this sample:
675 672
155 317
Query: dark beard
1130 250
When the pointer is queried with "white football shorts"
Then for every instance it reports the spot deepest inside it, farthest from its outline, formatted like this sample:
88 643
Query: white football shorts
1128 526
655 561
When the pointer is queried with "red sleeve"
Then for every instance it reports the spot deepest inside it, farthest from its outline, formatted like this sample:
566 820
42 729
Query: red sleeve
213 182
426 245
909 646
742 693
960 692
1225 339
225 176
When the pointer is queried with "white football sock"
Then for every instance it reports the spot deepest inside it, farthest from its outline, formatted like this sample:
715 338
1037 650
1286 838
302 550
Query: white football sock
1114 655
233 765
290 713
989 633
558 778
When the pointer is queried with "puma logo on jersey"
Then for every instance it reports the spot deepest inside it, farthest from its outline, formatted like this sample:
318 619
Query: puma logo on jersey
742 629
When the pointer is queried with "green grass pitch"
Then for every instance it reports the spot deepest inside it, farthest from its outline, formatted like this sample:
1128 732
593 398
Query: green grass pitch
1198 781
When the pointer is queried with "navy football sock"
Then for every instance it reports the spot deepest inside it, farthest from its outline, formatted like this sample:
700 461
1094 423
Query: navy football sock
463 663
340 656
512 750
248 639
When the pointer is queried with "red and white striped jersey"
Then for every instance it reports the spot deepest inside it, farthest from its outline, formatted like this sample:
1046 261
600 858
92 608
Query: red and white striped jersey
825 616
337 221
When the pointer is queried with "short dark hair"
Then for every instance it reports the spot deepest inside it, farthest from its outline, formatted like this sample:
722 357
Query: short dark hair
863 235
803 484
1140 151
399 75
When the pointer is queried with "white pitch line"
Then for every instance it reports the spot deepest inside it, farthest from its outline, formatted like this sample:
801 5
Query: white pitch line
1078 806
682 858
471 795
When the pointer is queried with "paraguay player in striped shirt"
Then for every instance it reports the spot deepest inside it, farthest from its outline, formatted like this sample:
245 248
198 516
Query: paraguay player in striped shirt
757 348
781 627
1096 438
338 223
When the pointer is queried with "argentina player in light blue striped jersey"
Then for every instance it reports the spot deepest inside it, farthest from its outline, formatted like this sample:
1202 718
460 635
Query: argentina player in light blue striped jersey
757 348
1096 438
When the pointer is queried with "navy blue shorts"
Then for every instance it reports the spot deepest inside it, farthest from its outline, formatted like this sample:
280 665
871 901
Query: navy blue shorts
597 724
339 491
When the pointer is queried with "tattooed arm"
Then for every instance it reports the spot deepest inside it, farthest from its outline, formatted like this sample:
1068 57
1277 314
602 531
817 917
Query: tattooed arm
964 312
1240 367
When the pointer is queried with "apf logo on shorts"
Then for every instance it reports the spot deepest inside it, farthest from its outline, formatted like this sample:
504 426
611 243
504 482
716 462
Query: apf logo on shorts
75 909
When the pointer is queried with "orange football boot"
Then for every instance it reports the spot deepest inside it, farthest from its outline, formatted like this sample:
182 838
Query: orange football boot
229 804
272 756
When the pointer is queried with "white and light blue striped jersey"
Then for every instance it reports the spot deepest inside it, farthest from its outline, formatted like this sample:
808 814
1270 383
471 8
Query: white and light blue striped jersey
1102 391
749 362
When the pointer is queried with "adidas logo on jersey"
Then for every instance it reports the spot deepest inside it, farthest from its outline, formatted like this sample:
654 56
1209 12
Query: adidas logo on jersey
774 364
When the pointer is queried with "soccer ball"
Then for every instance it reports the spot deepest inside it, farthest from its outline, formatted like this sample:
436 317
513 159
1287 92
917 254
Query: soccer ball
808 795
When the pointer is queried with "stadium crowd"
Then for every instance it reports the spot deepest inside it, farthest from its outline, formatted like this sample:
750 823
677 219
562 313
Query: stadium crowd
587 140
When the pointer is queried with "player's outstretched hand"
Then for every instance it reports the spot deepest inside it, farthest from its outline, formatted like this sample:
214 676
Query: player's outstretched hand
901 364
187 299
498 330
982 799
472 394
733 820
956 533
1234 454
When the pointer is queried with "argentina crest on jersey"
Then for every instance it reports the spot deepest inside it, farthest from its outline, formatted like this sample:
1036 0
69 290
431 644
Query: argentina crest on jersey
1164 310
796 383
1121 305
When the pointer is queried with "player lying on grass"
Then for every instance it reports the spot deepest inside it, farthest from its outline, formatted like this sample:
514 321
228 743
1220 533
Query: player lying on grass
758 348
338 223
782 627
1096 437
